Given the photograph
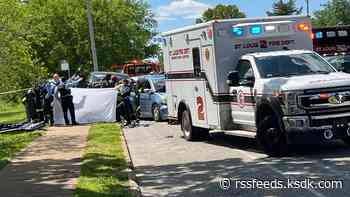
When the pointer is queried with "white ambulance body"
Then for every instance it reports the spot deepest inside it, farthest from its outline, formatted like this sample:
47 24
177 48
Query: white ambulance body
198 60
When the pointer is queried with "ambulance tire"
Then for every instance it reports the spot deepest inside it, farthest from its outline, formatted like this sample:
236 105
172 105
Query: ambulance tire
346 140
190 132
271 137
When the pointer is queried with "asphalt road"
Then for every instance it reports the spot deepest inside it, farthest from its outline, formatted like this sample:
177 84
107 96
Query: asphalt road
167 165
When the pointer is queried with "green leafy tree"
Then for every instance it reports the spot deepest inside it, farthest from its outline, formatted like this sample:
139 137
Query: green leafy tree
59 31
335 12
221 12
152 50
17 67
281 8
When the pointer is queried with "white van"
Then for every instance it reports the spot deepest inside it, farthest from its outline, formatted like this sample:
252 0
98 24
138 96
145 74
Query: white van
255 78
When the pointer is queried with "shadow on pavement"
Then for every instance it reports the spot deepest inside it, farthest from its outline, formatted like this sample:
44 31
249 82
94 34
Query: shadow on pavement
328 161
251 145
202 178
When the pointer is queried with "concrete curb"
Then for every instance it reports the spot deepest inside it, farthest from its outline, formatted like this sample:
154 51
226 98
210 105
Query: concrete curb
134 187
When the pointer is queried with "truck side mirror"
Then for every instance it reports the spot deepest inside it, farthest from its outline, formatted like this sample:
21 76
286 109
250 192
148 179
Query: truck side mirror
248 81
233 78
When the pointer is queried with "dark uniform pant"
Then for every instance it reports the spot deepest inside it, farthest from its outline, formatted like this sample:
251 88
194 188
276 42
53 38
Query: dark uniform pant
48 110
67 104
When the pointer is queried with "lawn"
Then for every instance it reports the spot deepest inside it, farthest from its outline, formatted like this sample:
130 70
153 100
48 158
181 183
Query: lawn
103 164
11 143
11 112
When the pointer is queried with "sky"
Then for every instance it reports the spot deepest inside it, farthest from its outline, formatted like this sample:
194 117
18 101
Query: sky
172 14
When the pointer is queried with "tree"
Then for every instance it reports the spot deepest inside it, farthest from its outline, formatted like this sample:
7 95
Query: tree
152 50
281 8
59 31
335 12
17 68
221 12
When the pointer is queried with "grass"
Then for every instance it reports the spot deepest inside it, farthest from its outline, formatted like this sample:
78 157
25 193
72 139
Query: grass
103 164
11 112
11 143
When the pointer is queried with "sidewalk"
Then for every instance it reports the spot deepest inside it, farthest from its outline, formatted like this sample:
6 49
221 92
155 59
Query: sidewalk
50 166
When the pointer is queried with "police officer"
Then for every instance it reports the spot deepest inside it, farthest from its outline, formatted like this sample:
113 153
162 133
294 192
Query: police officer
125 108
67 104
50 89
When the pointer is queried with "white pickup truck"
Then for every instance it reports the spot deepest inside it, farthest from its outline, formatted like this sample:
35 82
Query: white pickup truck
255 78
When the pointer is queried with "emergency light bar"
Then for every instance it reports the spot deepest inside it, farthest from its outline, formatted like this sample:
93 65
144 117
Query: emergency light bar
238 31
303 27
318 35
257 29
270 28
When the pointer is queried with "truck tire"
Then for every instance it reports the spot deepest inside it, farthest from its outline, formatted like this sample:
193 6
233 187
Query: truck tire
346 140
271 137
156 113
190 132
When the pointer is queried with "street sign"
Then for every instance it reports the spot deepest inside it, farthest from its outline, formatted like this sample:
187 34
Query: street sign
64 65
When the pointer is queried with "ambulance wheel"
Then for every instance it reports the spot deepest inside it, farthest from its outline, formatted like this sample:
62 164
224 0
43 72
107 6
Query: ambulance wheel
190 132
156 113
346 140
271 137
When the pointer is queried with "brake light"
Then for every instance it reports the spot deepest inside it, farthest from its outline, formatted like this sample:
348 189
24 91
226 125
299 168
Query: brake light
303 27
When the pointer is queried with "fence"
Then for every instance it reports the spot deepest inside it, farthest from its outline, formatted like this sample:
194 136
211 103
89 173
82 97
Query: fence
12 109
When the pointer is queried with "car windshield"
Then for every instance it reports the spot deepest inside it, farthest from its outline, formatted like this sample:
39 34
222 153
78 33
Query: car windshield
292 65
98 77
159 84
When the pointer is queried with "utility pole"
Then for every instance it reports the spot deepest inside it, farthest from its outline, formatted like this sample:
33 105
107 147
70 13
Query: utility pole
92 36
308 7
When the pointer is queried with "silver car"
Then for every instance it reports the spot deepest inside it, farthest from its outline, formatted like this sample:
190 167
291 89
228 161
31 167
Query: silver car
152 97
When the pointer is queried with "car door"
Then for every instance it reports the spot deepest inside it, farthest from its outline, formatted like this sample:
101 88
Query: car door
145 99
243 109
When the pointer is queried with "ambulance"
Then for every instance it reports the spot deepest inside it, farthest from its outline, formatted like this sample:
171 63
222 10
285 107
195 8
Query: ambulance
255 78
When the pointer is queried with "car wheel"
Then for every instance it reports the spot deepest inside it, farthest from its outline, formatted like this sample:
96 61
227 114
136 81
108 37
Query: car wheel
271 137
156 113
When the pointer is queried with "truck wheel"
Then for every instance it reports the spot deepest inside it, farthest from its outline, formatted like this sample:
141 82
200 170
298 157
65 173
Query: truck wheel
190 132
156 113
271 137
346 140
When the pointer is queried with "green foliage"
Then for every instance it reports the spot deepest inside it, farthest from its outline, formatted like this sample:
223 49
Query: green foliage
221 12
59 30
152 50
103 169
334 12
281 8
35 35
17 67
